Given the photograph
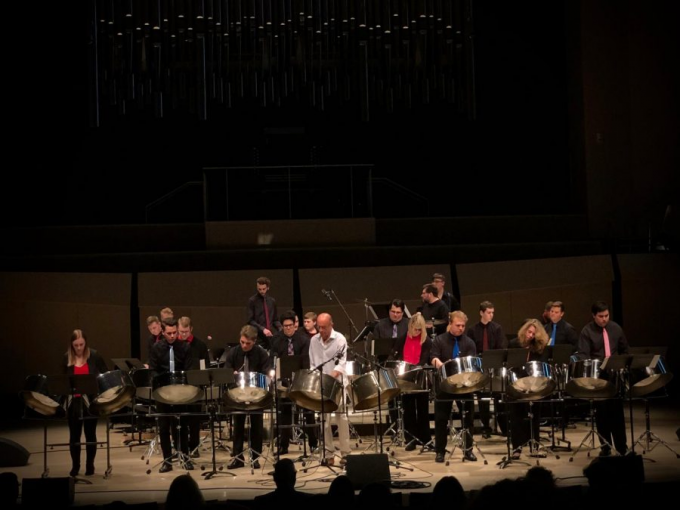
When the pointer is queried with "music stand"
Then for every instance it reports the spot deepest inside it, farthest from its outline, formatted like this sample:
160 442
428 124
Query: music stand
287 366
208 379
560 355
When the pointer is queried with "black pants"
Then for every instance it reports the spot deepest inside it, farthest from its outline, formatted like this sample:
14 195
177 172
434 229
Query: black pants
239 422
520 423
78 419
166 424
611 423
442 413
417 416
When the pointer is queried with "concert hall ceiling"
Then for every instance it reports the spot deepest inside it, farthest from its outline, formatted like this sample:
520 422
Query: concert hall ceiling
204 57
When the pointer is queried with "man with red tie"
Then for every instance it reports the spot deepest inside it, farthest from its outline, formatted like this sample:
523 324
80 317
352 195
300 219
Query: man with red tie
600 339
262 313
487 334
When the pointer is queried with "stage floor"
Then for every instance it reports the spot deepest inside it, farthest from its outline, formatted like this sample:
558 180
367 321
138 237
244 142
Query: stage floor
129 481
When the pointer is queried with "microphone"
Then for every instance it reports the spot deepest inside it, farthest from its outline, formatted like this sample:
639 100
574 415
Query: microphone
339 355
327 293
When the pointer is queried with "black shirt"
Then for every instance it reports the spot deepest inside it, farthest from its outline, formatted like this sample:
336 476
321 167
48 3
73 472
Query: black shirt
591 342
564 333
258 359
199 351
160 356
279 345
438 311
494 334
257 317
443 345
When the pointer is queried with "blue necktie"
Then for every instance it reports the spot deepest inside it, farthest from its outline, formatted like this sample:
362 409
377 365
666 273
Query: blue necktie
456 350
172 359
552 335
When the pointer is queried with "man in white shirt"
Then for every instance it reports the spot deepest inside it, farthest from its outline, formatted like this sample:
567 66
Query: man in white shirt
329 344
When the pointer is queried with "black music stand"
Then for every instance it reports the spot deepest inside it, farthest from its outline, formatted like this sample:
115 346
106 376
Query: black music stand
208 379
560 355
287 366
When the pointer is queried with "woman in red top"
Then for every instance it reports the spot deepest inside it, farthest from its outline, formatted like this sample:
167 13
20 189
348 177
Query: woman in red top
415 349
80 360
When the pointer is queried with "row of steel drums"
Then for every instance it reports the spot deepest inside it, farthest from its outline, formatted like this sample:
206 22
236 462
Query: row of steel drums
369 388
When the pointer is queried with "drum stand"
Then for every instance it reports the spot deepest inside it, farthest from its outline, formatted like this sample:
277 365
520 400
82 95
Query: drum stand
589 440
132 442
535 446
397 428
459 436
212 409
648 440
183 459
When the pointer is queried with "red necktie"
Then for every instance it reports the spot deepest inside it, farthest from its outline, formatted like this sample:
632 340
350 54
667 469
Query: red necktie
607 348
485 339
266 314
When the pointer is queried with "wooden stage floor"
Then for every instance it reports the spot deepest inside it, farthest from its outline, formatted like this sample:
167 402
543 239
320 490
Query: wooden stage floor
129 481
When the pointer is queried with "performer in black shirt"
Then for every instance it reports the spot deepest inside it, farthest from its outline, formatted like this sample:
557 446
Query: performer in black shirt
199 352
433 309
439 281
247 357
81 360
600 339
289 342
170 355
449 345
560 331
487 334
262 313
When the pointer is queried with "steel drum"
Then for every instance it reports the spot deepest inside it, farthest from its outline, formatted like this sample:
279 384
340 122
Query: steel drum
411 378
586 381
37 396
379 384
531 381
173 388
115 392
651 378
306 392
354 369
142 378
249 387
462 375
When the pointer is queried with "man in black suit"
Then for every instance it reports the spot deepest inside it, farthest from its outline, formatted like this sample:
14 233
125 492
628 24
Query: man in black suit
600 339
452 344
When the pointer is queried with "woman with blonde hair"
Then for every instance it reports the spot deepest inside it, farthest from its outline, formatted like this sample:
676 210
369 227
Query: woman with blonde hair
532 337
415 349
81 360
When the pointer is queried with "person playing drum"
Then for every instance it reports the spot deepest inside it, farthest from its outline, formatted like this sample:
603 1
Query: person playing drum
289 342
601 338
452 344
169 355
324 346
533 337
247 357
415 349
81 360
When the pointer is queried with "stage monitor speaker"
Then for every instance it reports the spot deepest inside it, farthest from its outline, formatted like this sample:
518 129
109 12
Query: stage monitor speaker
622 470
47 492
368 468
12 454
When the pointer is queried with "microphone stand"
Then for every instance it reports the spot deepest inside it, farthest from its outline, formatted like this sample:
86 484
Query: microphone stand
352 327
323 461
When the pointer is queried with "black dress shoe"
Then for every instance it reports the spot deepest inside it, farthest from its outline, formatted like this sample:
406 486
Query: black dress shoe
411 446
440 457
89 470
189 466
469 456
605 451
74 471
235 464
256 464
165 467
195 454
486 433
